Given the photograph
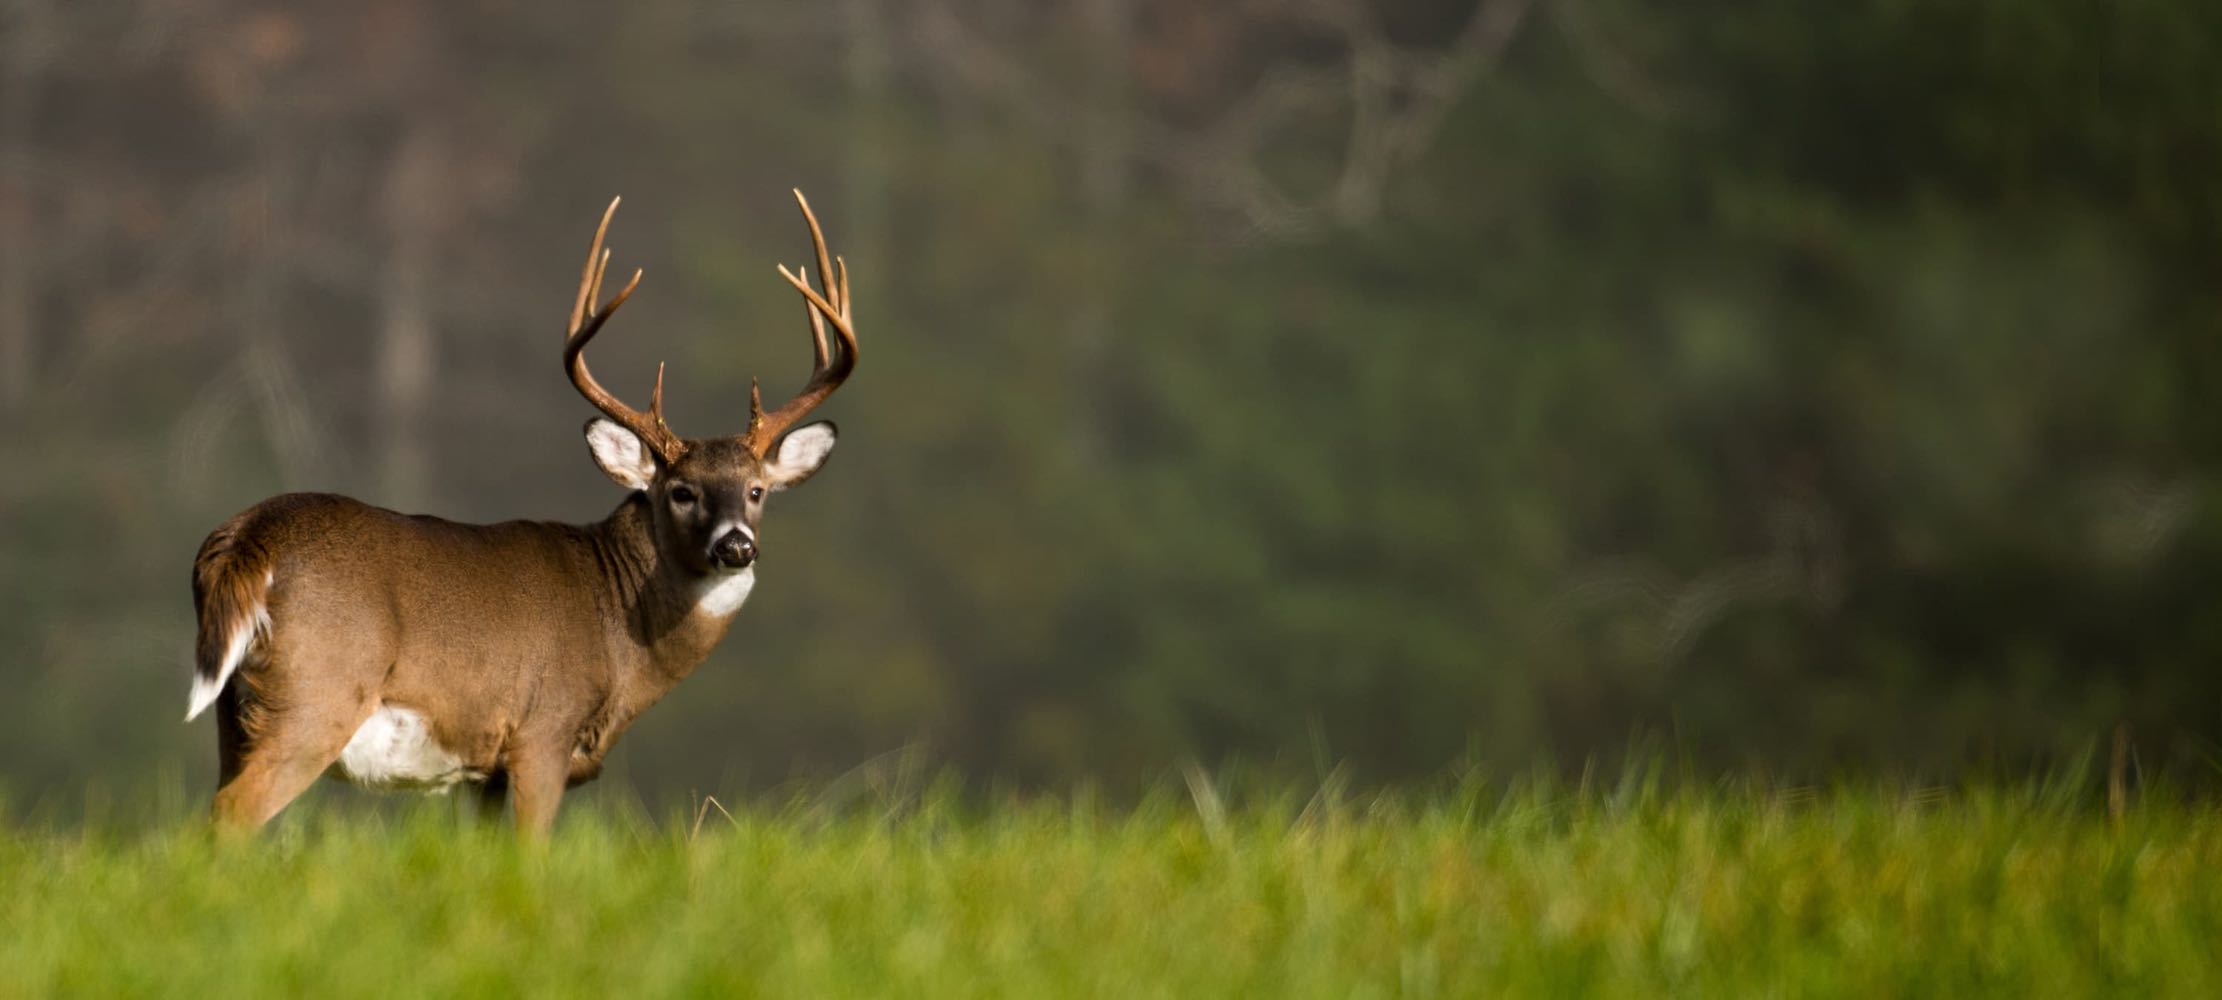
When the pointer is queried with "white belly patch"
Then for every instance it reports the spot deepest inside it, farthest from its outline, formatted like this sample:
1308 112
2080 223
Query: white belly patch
395 748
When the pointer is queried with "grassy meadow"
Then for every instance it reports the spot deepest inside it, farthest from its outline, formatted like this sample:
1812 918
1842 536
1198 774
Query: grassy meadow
1476 889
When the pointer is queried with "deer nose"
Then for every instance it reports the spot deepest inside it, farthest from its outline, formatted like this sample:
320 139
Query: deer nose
735 550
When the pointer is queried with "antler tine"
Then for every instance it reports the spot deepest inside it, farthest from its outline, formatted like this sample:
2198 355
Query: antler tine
829 369
818 348
601 270
838 316
588 281
586 321
817 241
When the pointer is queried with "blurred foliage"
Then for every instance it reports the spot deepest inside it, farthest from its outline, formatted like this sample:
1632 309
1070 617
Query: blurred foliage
1821 386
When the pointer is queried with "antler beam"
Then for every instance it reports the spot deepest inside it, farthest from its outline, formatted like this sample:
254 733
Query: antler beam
586 321
828 369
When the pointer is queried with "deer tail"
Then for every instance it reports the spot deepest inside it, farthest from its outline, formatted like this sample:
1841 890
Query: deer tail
231 589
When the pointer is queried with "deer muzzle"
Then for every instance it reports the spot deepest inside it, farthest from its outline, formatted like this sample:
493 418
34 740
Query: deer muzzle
734 550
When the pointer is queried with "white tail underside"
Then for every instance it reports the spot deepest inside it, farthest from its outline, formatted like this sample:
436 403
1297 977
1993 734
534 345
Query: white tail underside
243 633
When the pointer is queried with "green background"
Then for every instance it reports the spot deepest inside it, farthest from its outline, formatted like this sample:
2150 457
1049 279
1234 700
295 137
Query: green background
1809 388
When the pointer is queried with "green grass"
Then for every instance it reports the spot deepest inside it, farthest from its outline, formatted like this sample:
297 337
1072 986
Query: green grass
1469 891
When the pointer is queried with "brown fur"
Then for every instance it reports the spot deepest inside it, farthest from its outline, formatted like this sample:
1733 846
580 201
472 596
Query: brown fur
525 647
529 647
228 585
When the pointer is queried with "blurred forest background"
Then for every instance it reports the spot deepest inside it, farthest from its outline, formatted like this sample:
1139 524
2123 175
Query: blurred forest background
1818 388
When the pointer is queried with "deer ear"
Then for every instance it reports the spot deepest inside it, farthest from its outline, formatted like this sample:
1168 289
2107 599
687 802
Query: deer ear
800 453
620 454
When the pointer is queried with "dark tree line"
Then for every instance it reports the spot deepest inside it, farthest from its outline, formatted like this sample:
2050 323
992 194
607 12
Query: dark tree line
1817 387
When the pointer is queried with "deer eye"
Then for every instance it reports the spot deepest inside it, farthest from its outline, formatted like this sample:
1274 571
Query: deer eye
682 495
756 493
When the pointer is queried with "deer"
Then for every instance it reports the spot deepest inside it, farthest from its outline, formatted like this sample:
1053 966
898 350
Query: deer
407 651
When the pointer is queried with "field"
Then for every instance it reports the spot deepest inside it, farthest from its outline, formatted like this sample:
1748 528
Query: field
1471 890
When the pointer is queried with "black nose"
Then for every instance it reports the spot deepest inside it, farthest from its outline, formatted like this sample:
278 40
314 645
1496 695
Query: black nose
734 551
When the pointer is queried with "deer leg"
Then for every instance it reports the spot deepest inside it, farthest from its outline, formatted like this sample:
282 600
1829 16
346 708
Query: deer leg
537 786
285 757
493 794
231 736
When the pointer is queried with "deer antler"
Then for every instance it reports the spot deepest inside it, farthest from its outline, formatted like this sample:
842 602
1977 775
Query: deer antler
650 426
828 370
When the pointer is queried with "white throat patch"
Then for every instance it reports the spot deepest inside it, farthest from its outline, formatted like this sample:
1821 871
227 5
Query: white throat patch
724 596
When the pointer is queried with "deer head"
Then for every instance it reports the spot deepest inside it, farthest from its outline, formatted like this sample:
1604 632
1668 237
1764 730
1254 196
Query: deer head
707 495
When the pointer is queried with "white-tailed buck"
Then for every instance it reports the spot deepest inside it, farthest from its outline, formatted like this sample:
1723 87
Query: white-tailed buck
403 650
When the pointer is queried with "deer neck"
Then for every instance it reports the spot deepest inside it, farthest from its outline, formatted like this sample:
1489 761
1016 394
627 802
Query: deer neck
671 617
